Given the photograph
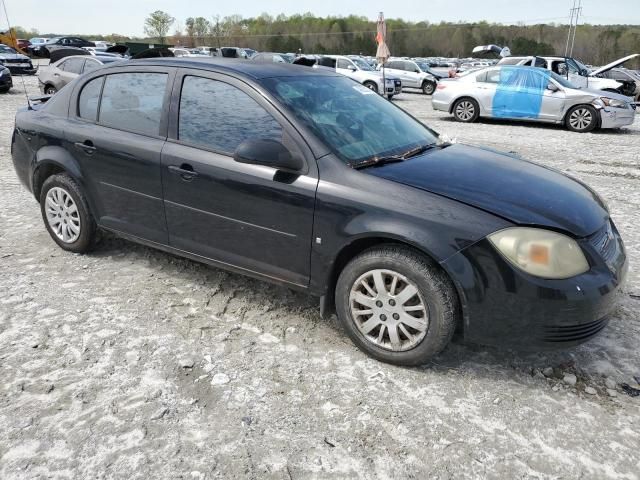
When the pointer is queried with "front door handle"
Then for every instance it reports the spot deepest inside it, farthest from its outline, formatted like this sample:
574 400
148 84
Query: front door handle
185 171
87 146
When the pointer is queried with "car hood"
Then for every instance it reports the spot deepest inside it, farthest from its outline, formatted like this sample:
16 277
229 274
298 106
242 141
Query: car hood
591 92
520 191
614 64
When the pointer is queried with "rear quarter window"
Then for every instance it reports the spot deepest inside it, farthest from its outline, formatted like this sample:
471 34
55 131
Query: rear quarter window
89 99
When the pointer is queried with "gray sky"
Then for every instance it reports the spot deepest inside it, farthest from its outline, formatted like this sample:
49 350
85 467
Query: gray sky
127 16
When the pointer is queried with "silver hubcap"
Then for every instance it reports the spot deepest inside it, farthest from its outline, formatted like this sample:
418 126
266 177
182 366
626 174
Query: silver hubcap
371 86
62 215
581 118
465 110
388 310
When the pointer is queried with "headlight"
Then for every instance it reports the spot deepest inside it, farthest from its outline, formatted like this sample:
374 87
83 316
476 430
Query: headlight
610 102
542 253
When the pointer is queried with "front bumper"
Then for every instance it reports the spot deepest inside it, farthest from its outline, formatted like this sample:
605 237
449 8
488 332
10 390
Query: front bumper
393 87
20 68
440 104
616 117
504 306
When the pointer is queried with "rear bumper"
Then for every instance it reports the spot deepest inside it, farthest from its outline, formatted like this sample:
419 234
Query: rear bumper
504 306
439 104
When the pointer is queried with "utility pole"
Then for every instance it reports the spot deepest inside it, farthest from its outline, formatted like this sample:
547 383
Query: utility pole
575 12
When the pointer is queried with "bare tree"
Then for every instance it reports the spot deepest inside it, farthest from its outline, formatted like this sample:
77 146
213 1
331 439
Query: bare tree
157 25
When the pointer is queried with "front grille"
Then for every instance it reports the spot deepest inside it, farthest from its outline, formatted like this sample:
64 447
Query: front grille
573 333
15 60
605 243
397 83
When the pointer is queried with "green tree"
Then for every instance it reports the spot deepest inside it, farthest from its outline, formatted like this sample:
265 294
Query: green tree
157 25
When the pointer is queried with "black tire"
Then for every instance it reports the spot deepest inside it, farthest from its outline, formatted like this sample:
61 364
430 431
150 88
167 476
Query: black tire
389 97
434 289
428 87
582 118
87 225
466 110
371 86
5 90
50 90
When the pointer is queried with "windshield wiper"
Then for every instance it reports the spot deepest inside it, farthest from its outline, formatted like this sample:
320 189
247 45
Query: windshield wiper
394 158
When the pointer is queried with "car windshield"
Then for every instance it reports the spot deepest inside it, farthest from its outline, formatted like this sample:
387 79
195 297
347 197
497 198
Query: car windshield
355 122
562 80
423 66
361 64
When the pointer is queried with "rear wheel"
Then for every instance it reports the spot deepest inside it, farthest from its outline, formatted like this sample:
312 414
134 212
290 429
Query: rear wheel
50 90
371 86
66 214
389 97
396 305
466 110
582 118
428 87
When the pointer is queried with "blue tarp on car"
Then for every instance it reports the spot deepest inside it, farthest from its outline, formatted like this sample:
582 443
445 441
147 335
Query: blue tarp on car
519 92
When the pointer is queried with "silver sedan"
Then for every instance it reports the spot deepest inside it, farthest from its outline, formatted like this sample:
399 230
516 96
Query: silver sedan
529 93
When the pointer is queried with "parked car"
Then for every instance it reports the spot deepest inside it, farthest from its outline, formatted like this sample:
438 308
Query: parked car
24 45
6 82
36 43
62 41
302 177
411 75
101 45
271 57
530 93
576 72
181 52
17 63
624 75
55 76
365 74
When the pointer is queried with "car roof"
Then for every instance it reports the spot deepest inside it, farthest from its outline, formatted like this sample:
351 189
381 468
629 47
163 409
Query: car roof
246 68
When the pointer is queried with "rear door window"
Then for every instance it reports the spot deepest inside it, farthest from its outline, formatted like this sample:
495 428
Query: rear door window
220 117
74 65
133 102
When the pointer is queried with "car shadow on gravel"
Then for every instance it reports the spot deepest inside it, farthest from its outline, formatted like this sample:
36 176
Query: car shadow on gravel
584 361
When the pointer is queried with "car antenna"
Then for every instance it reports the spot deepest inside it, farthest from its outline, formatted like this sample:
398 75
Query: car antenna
24 86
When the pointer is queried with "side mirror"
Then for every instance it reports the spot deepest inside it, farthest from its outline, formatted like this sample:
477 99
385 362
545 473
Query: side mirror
553 87
269 153
352 68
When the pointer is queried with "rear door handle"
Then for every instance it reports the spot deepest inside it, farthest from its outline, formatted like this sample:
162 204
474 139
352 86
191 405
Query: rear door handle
185 170
87 146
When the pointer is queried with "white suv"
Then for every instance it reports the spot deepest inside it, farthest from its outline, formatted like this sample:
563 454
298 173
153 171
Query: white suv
411 75
362 72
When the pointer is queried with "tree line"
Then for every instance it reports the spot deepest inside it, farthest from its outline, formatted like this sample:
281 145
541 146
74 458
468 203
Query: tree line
594 44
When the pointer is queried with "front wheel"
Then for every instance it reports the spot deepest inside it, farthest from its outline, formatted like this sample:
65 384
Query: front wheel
66 214
428 88
50 90
396 305
389 97
582 118
466 110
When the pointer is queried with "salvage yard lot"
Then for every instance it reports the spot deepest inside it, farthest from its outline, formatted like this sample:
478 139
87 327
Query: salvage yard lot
131 363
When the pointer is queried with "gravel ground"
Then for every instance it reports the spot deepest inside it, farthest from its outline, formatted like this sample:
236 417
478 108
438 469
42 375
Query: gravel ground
131 363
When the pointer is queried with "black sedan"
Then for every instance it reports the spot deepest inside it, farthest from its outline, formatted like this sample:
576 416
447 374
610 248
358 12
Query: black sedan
17 63
302 177
6 82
